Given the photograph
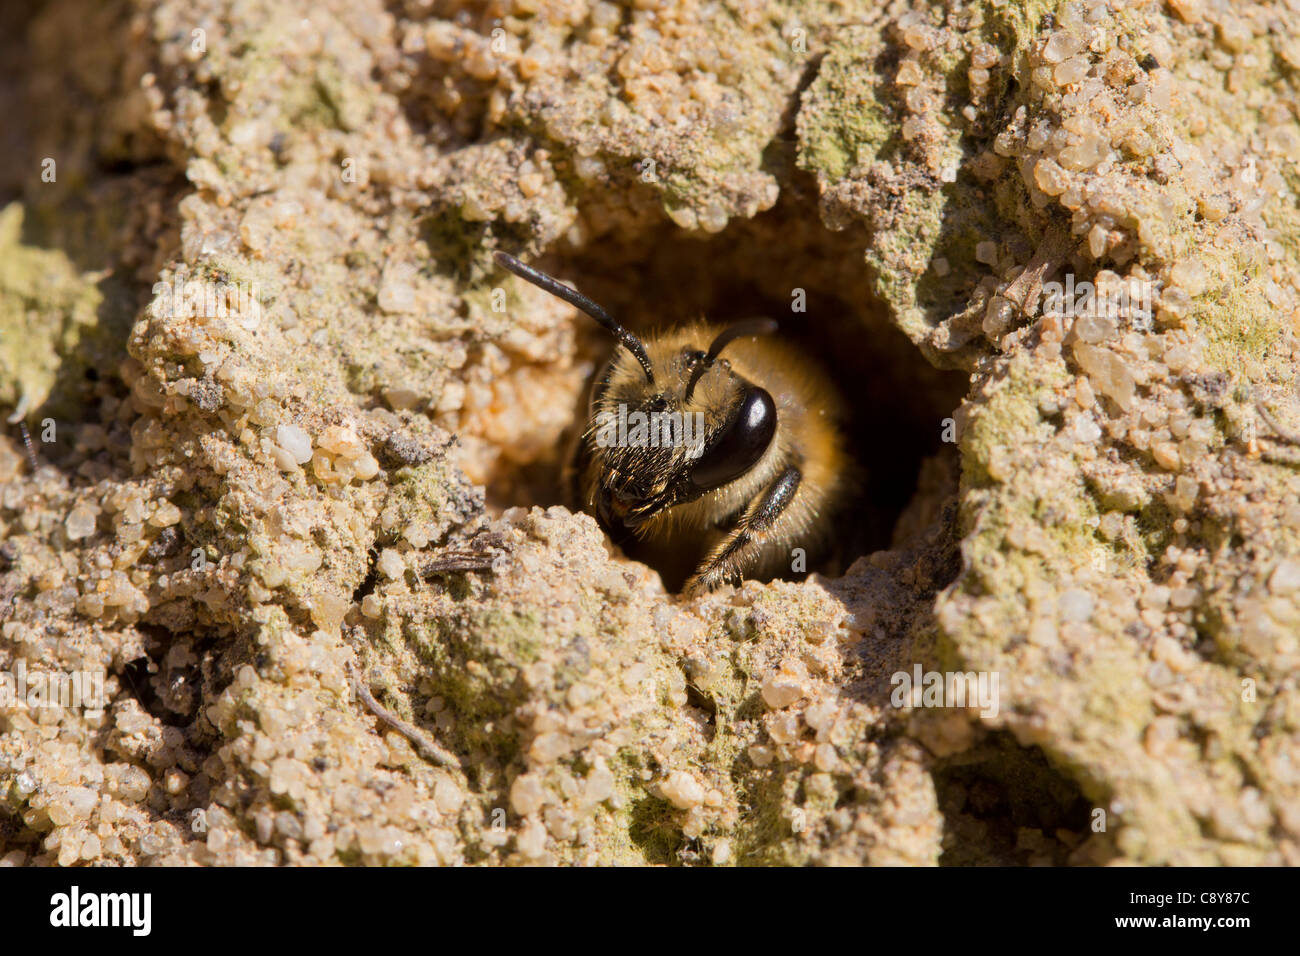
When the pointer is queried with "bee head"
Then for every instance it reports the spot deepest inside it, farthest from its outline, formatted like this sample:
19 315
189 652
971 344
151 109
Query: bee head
659 445
672 430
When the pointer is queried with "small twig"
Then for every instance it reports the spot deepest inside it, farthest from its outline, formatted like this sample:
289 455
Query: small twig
17 418
1283 432
451 561
31 452
1024 290
481 557
422 741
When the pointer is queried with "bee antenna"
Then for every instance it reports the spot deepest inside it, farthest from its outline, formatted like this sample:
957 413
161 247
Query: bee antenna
580 301
728 335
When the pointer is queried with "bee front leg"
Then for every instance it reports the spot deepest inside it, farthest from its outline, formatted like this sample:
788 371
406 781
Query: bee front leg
742 547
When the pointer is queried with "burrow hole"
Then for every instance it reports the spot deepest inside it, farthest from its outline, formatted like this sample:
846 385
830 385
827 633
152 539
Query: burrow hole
1005 804
664 277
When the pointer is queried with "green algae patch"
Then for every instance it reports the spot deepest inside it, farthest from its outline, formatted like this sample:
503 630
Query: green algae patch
50 325
433 497
882 129
1008 417
844 121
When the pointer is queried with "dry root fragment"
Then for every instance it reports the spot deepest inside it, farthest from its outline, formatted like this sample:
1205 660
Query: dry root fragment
421 741
1025 290
27 443
1284 434
481 555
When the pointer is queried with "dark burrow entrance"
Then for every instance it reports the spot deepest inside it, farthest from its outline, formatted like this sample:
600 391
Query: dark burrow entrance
1004 804
663 277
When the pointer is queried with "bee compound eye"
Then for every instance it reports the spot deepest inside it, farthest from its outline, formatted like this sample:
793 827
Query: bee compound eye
739 444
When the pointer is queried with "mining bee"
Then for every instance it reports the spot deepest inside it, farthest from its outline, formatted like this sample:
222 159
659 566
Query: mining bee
741 459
